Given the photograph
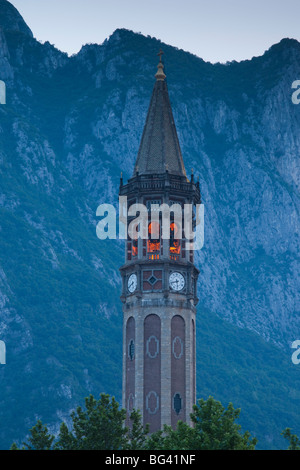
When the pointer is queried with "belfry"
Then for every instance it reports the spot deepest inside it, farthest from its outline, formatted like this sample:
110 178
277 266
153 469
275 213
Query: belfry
159 293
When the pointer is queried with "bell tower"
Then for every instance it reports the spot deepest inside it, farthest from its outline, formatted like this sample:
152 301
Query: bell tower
159 293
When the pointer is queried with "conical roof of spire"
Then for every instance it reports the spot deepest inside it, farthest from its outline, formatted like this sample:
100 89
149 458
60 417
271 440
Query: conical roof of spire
159 149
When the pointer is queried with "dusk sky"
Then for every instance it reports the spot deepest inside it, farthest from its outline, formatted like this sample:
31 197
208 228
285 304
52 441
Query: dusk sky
215 30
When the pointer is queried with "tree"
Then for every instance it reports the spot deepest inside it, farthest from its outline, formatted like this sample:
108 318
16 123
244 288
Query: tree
99 426
40 439
66 440
137 434
214 428
181 438
292 438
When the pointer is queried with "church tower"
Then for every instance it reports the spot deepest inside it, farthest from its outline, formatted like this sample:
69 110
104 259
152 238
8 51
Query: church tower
159 293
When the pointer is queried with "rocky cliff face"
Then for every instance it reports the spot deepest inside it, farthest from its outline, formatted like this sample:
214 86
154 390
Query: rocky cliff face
238 130
70 126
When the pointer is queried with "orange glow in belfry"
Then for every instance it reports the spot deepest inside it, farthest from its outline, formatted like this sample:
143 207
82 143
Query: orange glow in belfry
174 243
153 244
134 248
153 256
173 229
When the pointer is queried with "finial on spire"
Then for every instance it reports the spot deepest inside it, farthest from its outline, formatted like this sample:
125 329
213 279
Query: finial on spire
160 54
160 75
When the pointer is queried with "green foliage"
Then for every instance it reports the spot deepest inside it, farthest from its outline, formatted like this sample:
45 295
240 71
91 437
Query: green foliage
214 428
137 434
66 439
39 439
100 426
14 447
292 438
182 438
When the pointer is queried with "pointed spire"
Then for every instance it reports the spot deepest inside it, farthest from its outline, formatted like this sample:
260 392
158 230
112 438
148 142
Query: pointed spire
159 148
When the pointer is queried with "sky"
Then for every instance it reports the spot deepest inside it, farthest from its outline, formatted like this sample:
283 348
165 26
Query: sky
215 30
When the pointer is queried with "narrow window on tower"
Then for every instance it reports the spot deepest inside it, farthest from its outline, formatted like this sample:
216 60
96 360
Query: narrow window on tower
177 403
129 251
153 243
174 242
134 248
131 350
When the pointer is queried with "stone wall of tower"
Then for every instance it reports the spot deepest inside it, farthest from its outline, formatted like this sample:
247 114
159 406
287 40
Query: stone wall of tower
152 371
129 362
193 360
163 365
178 370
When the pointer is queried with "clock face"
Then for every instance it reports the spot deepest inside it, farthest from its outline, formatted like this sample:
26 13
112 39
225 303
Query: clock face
132 283
176 281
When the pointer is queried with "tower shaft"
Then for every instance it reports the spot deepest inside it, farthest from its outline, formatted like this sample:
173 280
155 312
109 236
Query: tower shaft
159 278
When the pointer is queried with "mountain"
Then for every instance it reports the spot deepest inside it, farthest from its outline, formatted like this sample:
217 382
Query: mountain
11 20
70 126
